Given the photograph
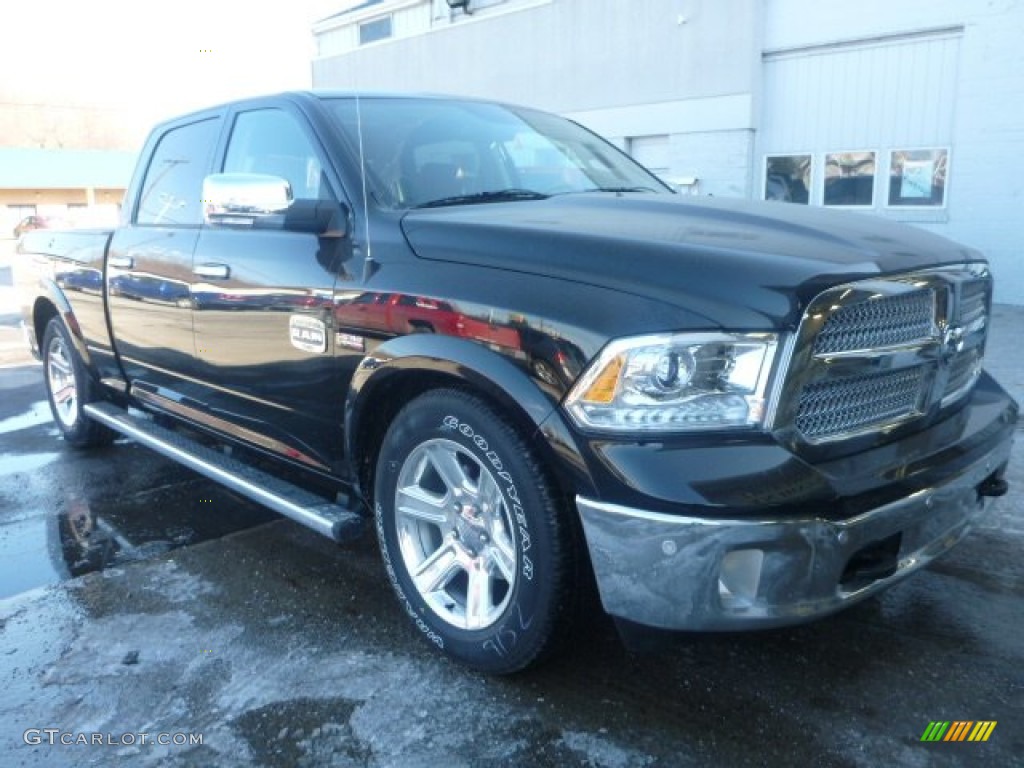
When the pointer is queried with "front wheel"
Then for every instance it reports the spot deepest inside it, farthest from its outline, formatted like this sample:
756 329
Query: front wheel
68 388
481 557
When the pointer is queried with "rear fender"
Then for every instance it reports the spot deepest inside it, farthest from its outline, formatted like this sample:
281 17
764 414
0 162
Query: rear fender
51 293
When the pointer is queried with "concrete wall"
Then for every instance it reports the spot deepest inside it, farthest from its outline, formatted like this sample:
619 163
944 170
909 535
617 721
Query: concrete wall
568 55
986 121
679 68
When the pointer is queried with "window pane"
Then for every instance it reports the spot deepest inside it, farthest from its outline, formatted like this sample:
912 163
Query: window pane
850 178
270 141
788 178
372 31
918 177
417 151
174 179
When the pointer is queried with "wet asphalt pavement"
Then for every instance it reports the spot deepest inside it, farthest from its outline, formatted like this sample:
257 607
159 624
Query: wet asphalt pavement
137 598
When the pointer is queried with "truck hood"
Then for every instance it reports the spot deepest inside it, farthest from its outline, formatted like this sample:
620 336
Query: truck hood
742 264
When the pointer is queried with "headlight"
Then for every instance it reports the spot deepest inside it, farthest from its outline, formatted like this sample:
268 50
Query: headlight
675 383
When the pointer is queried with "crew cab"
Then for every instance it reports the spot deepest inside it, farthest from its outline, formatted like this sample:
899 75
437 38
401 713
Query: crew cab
530 366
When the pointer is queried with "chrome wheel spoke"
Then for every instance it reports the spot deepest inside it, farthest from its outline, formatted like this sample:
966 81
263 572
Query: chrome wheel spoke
489 494
479 608
65 395
448 468
503 555
416 503
59 365
436 571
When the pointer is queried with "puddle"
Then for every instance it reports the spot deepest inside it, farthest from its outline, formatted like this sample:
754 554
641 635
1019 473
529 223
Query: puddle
38 413
85 536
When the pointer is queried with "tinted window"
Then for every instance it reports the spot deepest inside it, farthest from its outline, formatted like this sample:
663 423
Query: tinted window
849 178
372 31
918 177
174 180
270 141
788 178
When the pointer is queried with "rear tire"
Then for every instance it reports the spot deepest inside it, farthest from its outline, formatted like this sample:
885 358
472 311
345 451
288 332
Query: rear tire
482 558
68 388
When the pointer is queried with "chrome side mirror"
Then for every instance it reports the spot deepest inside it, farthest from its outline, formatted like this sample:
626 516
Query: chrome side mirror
261 201
240 199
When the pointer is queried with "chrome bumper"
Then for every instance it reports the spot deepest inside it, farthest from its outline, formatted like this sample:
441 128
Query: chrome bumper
688 573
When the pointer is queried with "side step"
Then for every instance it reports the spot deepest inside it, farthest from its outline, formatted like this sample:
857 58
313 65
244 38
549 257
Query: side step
331 520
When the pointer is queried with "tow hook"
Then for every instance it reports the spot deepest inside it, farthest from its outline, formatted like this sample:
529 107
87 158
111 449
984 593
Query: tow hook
993 487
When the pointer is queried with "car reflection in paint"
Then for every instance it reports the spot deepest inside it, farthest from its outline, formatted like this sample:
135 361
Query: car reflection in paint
551 359
206 297
149 288
401 313
84 279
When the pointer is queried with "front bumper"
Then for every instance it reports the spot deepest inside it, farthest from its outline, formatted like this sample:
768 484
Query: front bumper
696 573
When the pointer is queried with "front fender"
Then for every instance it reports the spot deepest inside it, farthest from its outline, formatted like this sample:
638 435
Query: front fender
480 369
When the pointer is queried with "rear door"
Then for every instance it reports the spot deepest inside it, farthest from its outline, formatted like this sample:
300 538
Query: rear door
263 302
149 263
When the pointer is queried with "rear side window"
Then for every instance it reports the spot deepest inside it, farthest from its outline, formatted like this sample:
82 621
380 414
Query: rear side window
173 185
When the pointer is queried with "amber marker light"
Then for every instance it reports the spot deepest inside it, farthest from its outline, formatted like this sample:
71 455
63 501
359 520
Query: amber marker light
603 388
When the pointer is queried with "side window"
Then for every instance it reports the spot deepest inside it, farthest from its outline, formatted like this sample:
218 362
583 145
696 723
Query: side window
269 141
174 180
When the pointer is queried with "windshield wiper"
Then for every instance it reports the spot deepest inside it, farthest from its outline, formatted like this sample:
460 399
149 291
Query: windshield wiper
491 196
619 189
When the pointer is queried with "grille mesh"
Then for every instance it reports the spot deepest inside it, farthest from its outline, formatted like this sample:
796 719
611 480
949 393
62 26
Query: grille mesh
848 405
878 323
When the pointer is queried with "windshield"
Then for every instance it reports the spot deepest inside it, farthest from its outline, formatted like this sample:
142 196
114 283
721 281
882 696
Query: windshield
430 152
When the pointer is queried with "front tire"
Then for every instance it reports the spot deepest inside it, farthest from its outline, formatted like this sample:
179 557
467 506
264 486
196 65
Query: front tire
480 555
68 388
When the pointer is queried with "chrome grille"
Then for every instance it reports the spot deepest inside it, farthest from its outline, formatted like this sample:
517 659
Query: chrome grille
882 322
872 354
973 302
850 405
963 371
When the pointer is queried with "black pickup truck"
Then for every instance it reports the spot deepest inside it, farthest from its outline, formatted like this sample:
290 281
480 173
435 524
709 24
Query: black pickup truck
530 365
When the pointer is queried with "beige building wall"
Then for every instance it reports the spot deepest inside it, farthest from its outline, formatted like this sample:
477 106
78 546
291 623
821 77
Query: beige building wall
39 197
28 121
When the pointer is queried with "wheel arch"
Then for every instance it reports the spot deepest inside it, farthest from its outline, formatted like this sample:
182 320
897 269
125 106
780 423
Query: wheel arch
50 303
403 368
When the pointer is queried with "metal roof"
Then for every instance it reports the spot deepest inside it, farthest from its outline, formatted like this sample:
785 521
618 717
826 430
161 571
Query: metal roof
353 9
23 168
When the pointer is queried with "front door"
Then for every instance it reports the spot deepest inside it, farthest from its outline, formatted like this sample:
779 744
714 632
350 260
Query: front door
262 307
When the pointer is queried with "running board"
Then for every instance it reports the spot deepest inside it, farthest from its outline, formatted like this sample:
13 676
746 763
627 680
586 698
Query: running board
331 520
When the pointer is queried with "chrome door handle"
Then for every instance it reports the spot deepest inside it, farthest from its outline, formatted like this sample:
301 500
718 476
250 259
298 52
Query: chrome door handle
212 270
121 262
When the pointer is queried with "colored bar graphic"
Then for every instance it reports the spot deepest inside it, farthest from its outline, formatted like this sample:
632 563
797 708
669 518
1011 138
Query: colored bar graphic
982 730
958 730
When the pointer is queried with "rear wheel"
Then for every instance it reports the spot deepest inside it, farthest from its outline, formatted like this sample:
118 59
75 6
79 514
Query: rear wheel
69 388
480 555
